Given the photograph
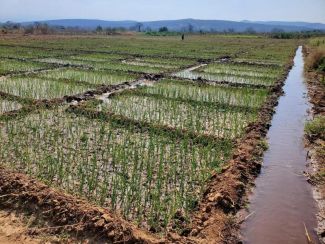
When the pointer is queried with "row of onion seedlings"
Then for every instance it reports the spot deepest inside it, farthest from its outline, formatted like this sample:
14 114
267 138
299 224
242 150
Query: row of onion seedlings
223 122
93 77
38 88
219 95
7 106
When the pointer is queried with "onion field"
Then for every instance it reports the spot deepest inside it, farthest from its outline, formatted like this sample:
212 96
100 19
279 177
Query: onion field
134 124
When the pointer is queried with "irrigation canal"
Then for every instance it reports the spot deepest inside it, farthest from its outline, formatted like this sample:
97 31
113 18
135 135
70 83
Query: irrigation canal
282 204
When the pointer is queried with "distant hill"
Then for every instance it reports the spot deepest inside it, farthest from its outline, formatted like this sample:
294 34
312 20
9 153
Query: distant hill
86 23
315 26
185 24
221 25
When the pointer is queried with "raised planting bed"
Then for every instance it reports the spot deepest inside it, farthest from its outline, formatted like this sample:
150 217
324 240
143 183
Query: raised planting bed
40 88
204 93
243 70
90 76
223 121
9 66
232 77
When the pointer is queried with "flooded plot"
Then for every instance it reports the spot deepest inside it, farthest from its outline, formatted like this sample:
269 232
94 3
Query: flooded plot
37 88
91 77
8 66
145 176
253 61
168 64
193 93
215 77
243 70
7 106
175 62
208 119
63 61
139 62
98 57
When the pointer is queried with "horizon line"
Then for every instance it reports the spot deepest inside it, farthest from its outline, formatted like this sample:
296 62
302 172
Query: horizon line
130 20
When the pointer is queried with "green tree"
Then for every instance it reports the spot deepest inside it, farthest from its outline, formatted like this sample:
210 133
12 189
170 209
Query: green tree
163 29
99 29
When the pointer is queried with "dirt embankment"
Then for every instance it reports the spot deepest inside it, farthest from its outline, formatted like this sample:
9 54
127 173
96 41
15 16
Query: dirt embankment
315 142
62 213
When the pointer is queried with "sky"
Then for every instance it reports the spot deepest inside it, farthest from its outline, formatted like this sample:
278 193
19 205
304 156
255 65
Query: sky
147 10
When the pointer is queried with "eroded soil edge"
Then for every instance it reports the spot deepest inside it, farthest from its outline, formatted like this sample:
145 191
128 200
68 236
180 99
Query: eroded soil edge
315 144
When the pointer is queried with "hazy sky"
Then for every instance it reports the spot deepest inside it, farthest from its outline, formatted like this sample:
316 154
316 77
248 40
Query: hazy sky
288 10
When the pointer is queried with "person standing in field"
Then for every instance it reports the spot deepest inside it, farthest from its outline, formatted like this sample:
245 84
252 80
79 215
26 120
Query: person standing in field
183 37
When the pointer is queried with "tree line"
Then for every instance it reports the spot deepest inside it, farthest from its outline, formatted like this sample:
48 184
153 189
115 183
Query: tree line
43 29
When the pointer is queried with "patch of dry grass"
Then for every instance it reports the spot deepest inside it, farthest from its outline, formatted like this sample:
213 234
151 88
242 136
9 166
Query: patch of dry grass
316 60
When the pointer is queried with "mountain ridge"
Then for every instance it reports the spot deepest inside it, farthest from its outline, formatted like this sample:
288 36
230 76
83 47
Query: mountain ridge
185 24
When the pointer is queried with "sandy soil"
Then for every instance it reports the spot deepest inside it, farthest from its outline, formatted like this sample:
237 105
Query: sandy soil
16 228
